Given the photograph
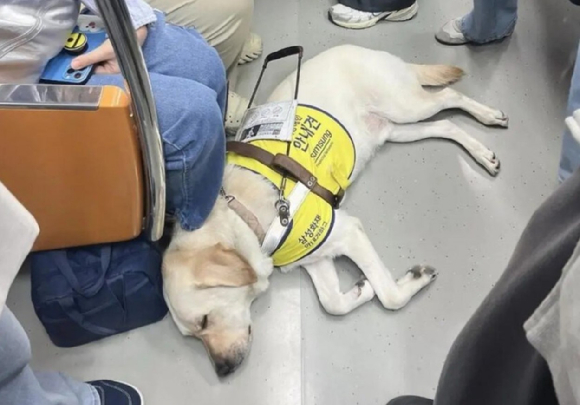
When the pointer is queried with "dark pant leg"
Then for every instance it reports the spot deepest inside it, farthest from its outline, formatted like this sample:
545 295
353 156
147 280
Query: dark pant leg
491 361
377 6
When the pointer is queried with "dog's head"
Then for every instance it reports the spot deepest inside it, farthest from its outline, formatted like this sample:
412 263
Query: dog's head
209 292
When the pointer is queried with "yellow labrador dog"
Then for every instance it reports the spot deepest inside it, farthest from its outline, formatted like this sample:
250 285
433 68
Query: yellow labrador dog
212 275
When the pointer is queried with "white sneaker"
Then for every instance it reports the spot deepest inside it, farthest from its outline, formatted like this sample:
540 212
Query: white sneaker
237 106
348 17
251 50
450 33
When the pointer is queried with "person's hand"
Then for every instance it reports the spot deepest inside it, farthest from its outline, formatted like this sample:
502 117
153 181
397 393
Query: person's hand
104 56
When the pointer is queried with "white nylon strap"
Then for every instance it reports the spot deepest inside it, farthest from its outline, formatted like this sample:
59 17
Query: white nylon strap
276 231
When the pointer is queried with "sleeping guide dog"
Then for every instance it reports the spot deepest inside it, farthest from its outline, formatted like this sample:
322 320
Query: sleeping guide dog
353 99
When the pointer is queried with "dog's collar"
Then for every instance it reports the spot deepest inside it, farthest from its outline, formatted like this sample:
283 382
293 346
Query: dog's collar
245 214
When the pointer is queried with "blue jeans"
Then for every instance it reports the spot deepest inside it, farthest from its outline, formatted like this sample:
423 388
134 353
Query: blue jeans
491 20
20 385
190 89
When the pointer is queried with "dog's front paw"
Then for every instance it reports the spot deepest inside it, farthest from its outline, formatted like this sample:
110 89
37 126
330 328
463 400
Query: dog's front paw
420 271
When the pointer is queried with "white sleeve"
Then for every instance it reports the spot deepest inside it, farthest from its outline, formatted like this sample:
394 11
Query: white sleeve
18 231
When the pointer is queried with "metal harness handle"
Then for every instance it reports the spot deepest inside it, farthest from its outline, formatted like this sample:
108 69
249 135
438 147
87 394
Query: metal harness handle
282 53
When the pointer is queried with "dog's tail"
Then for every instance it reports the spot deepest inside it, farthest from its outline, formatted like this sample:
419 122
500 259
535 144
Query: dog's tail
437 75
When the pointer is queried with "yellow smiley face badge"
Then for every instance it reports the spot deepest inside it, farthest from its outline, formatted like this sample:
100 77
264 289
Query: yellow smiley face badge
76 43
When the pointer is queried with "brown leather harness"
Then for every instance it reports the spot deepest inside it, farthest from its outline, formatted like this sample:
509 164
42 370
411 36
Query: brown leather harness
280 163
286 166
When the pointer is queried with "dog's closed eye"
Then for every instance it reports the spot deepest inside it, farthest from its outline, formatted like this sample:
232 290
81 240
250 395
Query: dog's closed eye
204 322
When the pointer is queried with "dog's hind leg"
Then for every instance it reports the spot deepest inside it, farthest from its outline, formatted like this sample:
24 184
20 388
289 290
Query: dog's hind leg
393 294
420 105
447 130
325 280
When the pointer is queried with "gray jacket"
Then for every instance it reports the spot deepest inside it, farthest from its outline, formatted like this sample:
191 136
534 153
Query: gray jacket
34 31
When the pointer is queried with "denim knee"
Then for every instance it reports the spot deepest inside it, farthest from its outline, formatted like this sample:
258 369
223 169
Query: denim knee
182 52
194 150
190 119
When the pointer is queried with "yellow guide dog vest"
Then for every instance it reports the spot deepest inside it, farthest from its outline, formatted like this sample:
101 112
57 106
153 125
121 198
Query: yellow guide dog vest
324 147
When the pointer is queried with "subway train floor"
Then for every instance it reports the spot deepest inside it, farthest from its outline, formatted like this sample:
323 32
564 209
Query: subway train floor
427 202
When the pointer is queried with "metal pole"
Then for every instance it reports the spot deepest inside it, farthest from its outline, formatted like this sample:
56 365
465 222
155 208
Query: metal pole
122 35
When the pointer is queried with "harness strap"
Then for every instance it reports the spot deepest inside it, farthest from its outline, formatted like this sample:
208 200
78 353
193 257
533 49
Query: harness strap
245 214
284 164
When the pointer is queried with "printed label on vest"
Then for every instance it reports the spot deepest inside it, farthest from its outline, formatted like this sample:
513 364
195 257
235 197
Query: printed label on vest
313 233
272 121
306 128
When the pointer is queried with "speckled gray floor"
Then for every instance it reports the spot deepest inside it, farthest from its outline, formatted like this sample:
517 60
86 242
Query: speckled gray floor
425 202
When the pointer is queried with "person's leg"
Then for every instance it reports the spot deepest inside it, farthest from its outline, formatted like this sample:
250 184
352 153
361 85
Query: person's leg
20 385
181 52
570 156
189 85
360 14
191 123
188 56
225 24
377 6
490 20
191 126
493 348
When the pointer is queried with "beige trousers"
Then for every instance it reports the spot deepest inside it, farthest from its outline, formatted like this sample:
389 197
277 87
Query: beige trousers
225 24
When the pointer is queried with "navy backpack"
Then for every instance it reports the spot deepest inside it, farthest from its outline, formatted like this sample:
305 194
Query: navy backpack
84 294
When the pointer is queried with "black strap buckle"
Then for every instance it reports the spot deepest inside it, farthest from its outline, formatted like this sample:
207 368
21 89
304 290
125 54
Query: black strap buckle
338 198
283 208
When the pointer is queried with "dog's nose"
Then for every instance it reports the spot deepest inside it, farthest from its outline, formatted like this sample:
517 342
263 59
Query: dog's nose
225 367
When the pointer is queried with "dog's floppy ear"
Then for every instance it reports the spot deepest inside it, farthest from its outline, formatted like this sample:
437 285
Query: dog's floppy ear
218 266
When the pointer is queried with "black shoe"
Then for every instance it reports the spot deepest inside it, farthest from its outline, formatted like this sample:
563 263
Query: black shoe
409 400
117 393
